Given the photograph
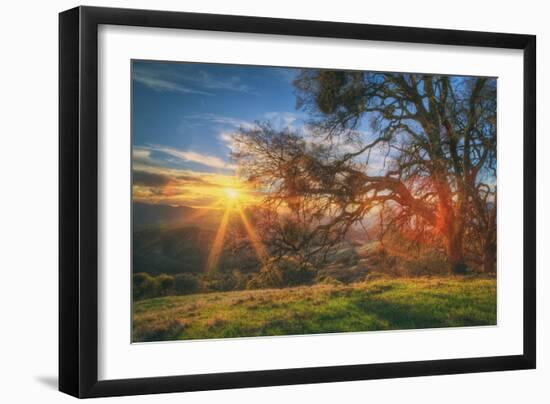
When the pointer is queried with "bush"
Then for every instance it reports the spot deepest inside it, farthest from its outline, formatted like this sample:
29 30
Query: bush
220 282
241 280
165 284
328 280
283 272
186 283
144 286
428 263
376 276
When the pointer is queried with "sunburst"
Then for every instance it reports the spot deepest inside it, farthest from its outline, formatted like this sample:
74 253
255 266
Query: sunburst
232 194
234 199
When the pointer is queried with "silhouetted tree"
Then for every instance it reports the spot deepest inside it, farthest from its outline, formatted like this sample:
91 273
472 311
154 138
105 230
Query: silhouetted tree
438 138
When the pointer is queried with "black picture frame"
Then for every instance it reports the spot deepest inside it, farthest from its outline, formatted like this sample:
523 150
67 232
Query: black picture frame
78 201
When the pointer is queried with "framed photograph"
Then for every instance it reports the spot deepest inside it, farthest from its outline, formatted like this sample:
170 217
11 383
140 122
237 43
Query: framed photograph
251 201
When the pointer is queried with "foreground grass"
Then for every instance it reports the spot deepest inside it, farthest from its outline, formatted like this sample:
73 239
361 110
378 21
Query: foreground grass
384 304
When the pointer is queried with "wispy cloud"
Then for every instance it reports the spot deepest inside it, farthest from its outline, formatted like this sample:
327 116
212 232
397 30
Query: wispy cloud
191 156
226 137
205 159
159 84
279 121
285 120
163 178
287 74
161 185
151 80
142 156
223 120
183 78
228 83
148 179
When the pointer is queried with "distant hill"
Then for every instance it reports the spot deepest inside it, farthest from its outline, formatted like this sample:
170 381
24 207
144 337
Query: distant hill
172 239
176 239
150 215
171 250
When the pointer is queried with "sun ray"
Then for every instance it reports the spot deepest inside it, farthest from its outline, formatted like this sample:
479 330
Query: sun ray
233 199
217 245
253 237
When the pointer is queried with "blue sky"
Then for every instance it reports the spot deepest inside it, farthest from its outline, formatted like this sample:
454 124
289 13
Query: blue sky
193 108
184 115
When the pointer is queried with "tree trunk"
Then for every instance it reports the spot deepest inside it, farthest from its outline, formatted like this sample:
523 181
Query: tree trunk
489 258
452 226
455 253
490 244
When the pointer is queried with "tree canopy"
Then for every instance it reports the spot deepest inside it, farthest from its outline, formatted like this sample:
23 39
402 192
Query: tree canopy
417 150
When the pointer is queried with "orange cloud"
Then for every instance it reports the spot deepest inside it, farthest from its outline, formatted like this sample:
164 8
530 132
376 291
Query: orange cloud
182 187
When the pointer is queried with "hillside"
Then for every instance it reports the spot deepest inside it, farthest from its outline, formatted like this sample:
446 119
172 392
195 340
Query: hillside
171 239
146 215
171 250
383 304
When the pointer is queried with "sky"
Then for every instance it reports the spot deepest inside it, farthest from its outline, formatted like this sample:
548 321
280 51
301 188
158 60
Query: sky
183 118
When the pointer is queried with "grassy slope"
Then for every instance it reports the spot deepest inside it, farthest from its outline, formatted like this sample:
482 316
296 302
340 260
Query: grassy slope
384 304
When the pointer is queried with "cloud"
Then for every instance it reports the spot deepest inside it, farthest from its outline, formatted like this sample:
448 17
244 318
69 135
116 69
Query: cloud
153 184
209 81
151 80
141 154
279 120
283 120
226 137
223 120
190 179
164 178
194 157
150 179
184 78
142 157
287 74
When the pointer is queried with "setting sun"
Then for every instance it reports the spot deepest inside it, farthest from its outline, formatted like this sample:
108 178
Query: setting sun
231 193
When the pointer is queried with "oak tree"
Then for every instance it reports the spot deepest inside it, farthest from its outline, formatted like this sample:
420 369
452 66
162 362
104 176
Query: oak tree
419 149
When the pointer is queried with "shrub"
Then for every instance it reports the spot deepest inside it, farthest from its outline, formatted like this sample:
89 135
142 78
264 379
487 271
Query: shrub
328 280
186 283
282 272
428 263
241 280
144 286
220 282
165 284
375 276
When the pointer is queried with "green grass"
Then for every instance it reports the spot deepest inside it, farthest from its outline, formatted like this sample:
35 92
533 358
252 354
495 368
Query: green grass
383 304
